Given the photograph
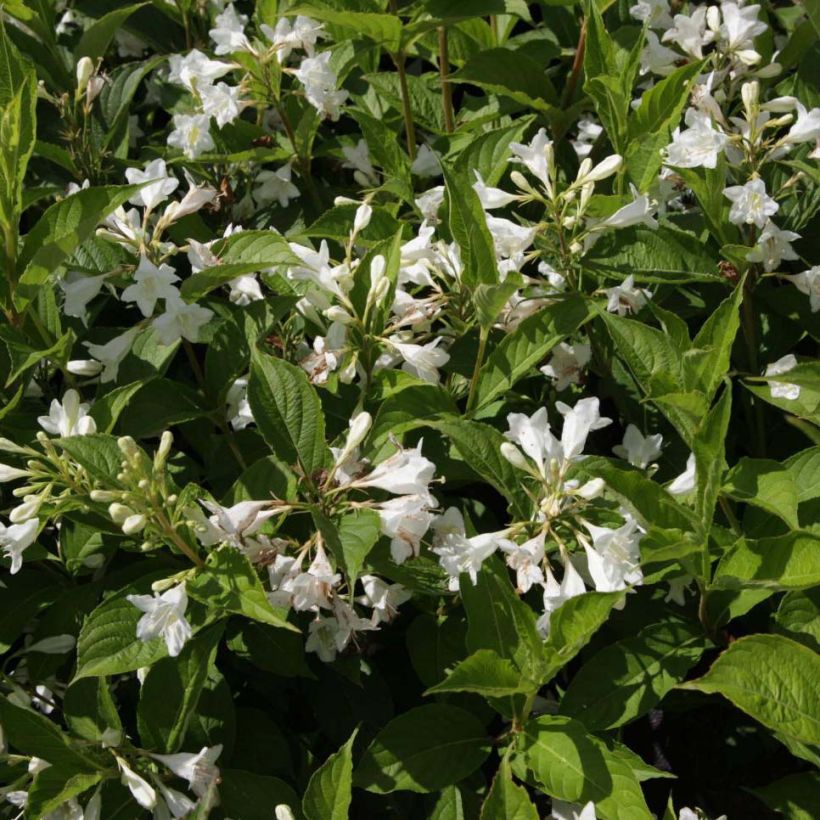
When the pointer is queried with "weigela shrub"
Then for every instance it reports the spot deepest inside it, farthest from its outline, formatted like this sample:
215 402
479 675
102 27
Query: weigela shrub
409 409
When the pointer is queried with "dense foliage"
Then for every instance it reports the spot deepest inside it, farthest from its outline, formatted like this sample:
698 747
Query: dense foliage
409 409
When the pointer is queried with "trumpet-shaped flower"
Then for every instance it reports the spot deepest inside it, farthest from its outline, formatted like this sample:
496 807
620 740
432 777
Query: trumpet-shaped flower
164 618
69 417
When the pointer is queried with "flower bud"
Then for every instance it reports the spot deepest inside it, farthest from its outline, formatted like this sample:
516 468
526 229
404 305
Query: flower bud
8 473
85 69
133 524
104 496
591 489
336 313
165 442
27 510
128 447
84 367
119 512
362 218
750 94
605 168
10 447
359 425
514 456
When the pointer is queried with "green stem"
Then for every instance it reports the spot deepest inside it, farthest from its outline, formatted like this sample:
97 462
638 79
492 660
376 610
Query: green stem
749 322
444 74
479 360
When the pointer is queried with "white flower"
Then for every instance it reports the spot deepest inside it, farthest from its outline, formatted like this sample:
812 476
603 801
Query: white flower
751 205
229 32
653 12
320 83
69 418
180 320
536 156
491 197
349 623
808 282
685 482
179 805
239 410
690 33
195 70
509 238
164 617
111 354
156 191
312 589
222 102
405 520
637 449
383 598
79 291
739 28
614 557
806 127
422 360
555 594
406 472
426 163
572 811
697 146
566 364
140 789
678 587
245 289
234 525
429 202
773 246
302 34
781 389
588 133
275 186
637 212
191 134
626 298
656 58
358 158
198 769
14 540
459 554
196 197
322 638
526 560
150 284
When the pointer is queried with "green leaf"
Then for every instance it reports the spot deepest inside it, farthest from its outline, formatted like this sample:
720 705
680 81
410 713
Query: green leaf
710 460
665 255
330 788
479 445
288 412
798 616
500 621
781 562
274 650
807 377
98 454
22 596
488 153
520 351
423 750
60 230
572 626
571 765
511 74
108 644
486 673
468 226
771 678
805 469
506 800
628 678
31 733
53 787
90 710
107 409
228 583
253 796
359 531
766 484
795 796
170 692
97 37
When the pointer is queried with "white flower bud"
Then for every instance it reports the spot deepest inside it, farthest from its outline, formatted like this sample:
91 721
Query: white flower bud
104 496
84 367
583 169
165 442
133 524
26 510
750 93
10 447
119 513
336 313
606 168
8 473
362 218
85 69
514 456
592 489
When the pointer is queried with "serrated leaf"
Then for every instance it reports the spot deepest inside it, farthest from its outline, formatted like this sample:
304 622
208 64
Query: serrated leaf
486 673
423 750
628 678
766 484
771 678
330 788
506 800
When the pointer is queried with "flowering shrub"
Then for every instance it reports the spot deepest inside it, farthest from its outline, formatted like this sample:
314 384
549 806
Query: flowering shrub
409 409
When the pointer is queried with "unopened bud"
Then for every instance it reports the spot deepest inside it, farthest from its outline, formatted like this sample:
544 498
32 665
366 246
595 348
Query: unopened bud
104 496
336 313
514 456
750 93
133 524
362 218
172 499
85 68
165 442
119 512
8 473
84 367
